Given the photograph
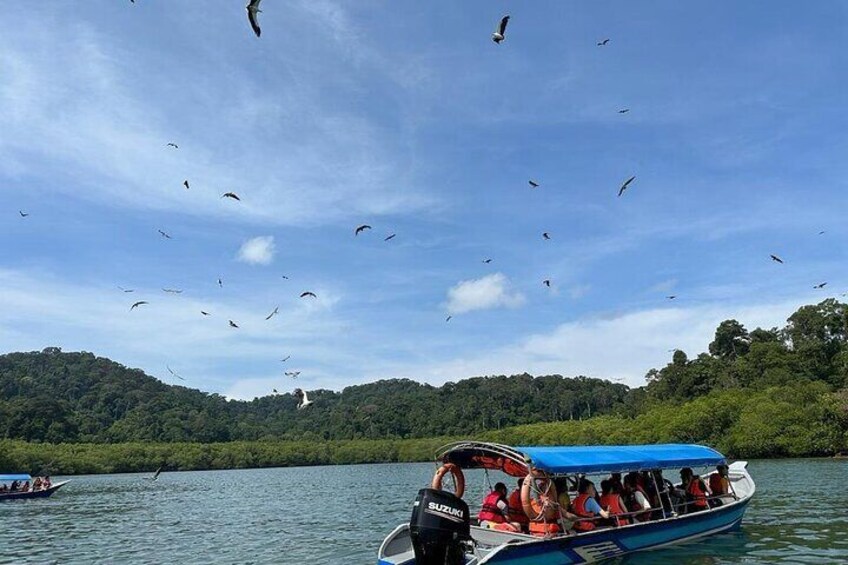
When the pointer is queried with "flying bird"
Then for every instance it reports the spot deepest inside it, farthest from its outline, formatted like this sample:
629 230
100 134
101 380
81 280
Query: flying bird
487 261
602 43
625 185
672 297
499 34
285 277
292 374
308 293
163 234
232 195
205 313
820 285
624 110
172 144
23 214
137 304
547 283
304 400
185 184
170 370
275 391
448 319
274 313
220 282
122 289
390 237
361 228
172 290
776 259
252 11
546 235
233 324
533 184
286 358
822 232
155 475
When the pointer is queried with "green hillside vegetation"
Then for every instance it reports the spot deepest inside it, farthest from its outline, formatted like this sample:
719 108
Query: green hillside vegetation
764 393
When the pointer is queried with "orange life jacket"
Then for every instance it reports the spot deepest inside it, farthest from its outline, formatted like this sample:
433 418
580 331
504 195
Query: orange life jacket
696 493
490 511
718 484
614 505
579 507
516 511
543 528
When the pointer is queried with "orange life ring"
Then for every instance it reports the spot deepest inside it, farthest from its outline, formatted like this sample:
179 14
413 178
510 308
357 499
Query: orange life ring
543 509
458 478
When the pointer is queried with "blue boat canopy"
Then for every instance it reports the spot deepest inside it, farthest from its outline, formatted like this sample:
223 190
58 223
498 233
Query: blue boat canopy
563 460
620 458
9 478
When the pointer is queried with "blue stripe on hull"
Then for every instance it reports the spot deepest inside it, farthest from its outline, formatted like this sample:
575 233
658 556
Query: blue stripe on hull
617 541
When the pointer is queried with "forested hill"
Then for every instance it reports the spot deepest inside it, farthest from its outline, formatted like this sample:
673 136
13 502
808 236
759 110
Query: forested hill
777 391
78 397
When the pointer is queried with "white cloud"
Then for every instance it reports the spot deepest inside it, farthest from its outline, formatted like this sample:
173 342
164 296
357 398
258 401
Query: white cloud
491 291
623 347
70 107
257 251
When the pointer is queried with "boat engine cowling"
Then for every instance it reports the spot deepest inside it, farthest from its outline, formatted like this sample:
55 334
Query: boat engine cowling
440 528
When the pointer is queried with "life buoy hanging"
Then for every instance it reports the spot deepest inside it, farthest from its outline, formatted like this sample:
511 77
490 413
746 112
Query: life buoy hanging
545 507
458 478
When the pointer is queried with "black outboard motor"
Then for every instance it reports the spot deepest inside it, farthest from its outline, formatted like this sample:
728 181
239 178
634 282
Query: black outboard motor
440 528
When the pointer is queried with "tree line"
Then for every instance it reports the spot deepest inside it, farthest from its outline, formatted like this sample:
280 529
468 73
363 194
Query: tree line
760 393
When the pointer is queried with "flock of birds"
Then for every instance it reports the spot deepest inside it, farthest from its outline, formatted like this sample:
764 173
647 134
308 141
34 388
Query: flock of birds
498 36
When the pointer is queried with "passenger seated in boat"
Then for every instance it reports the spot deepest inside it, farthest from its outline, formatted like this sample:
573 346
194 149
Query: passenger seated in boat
696 491
719 485
4 488
615 479
495 511
586 507
25 486
567 518
46 483
14 486
36 484
516 510
635 498
611 500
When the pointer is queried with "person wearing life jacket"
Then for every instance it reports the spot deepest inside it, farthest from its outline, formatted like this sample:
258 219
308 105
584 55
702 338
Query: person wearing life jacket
696 491
635 498
719 485
586 507
611 500
515 509
495 511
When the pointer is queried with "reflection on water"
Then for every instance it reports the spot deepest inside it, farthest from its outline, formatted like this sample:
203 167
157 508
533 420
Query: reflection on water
341 514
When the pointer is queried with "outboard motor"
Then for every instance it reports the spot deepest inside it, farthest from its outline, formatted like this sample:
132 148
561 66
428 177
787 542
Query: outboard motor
440 528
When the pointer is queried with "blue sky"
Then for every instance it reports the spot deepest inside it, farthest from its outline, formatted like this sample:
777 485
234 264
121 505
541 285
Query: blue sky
409 118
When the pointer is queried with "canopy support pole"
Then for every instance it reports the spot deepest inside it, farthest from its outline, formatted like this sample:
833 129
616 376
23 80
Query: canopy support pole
659 493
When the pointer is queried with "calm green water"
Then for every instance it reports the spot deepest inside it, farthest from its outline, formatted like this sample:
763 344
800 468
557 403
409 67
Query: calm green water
340 515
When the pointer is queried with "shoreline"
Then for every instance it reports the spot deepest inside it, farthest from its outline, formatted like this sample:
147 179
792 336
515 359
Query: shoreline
77 459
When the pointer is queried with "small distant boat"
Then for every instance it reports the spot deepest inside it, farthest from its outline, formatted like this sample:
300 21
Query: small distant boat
443 532
8 480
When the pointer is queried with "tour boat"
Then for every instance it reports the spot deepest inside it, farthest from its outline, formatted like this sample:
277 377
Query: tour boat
21 495
442 531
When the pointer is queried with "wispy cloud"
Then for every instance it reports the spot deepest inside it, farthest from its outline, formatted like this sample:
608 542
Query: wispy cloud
257 251
623 347
491 291
73 105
